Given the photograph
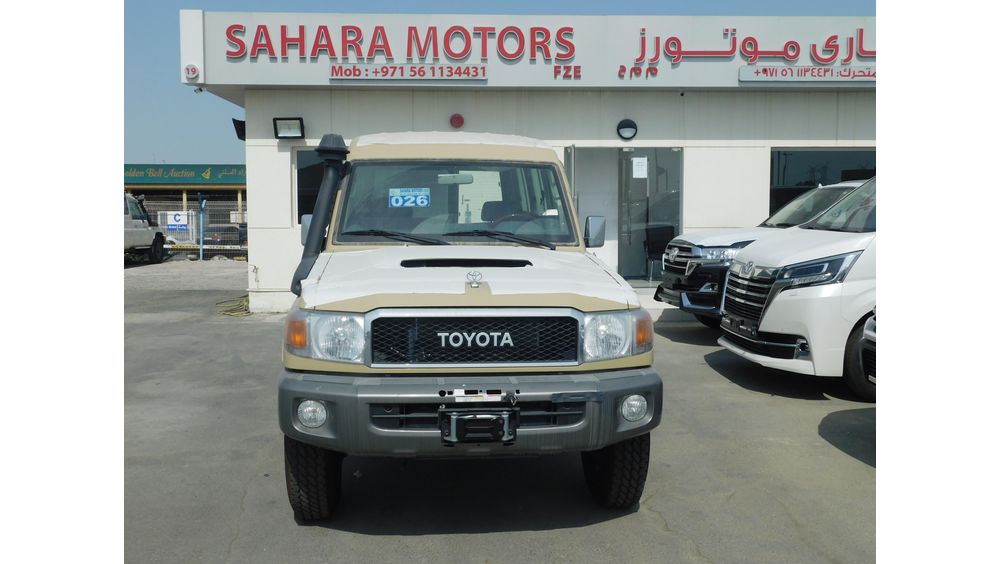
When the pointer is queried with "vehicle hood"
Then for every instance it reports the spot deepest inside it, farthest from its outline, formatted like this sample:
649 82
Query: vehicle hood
795 245
728 237
363 280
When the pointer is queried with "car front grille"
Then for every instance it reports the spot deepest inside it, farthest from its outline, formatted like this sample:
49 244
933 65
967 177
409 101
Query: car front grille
393 416
679 264
474 340
746 297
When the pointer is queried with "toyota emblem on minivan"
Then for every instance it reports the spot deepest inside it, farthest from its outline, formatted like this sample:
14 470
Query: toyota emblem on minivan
747 270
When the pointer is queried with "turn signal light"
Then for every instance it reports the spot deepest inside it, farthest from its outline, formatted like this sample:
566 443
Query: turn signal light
296 334
643 331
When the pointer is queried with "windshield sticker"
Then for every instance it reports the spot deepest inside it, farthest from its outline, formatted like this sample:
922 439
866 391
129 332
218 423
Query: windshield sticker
409 197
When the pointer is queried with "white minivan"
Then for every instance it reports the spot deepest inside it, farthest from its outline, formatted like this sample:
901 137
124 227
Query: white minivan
798 301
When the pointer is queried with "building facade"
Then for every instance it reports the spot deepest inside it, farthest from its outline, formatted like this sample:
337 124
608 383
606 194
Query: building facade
665 124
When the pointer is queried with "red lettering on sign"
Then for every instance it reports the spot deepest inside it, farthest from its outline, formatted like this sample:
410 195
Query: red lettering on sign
466 42
429 43
540 37
298 41
322 42
484 36
567 72
261 42
348 41
379 43
564 39
502 47
239 47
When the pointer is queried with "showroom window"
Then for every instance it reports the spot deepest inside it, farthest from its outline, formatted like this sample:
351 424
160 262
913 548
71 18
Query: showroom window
308 176
794 171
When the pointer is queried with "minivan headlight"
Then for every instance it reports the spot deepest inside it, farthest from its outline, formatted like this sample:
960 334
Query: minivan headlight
828 270
325 335
723 254
610 335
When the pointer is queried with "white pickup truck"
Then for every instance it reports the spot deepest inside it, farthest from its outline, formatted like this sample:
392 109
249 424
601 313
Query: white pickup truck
142 236
448 309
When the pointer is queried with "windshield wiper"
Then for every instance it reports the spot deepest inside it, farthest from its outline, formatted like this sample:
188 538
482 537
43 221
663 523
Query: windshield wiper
398 235
504 236
782 224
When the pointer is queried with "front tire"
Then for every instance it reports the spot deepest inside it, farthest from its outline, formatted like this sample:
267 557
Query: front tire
616 474
709 321
312 478
155 253
854 373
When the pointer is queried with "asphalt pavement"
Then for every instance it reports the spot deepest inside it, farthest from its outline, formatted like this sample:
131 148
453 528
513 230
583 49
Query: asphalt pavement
748 465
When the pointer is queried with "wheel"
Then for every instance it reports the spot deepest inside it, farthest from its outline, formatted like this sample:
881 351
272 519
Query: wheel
312 478
155 253
854 372
616 474
709 321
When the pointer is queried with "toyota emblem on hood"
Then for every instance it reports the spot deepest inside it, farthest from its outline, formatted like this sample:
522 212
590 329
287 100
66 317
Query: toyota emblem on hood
747 270
474 277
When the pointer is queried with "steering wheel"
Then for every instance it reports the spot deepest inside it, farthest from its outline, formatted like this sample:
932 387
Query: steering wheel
523 215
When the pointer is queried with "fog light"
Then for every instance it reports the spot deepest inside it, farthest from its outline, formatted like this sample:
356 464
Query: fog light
634 408
312 413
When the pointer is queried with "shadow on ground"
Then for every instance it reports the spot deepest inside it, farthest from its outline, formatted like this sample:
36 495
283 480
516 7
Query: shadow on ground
681 327
136 262
773 382
384 496
852 431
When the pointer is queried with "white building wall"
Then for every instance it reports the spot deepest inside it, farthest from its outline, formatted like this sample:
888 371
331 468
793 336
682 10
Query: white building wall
726 136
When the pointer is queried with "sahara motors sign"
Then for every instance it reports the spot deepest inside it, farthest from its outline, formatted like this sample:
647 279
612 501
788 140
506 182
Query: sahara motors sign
485 51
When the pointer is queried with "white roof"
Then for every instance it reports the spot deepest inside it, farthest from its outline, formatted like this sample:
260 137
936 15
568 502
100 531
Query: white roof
447 138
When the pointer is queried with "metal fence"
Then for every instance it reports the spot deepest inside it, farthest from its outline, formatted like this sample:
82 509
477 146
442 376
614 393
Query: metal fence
219 231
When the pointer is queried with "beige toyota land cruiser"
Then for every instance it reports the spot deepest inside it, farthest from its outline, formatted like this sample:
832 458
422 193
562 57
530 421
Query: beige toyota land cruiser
447 307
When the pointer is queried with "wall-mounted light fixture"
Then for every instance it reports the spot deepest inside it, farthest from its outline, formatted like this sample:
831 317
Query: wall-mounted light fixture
627 129
289 128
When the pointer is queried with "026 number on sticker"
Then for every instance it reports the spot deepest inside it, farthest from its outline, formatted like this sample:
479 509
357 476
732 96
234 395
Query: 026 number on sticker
409 197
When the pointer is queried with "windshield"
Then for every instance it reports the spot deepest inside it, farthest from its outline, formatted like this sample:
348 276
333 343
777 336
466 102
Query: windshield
855 213
450 199
806 206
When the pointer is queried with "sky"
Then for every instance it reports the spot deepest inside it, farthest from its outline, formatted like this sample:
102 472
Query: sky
167 122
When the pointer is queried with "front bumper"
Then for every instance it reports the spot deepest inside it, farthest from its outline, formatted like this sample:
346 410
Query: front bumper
353 402
699 293
812 315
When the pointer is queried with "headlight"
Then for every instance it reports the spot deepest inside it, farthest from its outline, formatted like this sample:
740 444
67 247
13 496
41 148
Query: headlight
616 334
723 253
823 271
325 335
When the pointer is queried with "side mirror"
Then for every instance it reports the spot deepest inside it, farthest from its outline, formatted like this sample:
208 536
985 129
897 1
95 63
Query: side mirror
306 222
593 233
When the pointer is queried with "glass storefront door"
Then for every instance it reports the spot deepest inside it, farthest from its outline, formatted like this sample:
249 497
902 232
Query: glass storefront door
649 208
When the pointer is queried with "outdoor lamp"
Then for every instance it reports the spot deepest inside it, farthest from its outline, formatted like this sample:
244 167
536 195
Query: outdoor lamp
289 128
627 129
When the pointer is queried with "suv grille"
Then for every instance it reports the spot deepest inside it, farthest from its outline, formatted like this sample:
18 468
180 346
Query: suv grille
425 415
446 340
746 297
679 264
